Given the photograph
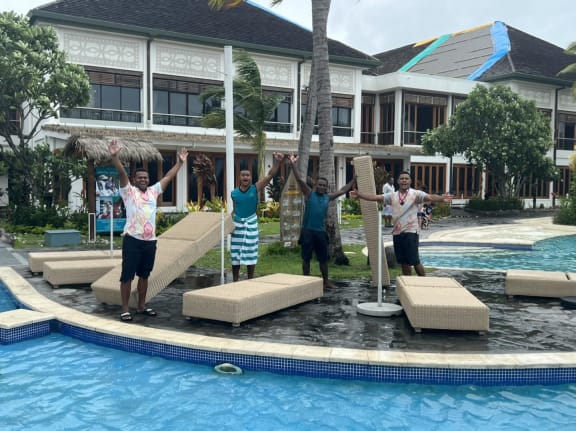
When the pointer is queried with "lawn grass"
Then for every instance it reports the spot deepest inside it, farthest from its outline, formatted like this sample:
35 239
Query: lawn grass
273 259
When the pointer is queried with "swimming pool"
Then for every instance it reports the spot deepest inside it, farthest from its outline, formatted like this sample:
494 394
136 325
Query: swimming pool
554 254
56 382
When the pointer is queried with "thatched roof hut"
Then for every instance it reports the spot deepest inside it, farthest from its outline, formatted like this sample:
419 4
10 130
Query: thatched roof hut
95 148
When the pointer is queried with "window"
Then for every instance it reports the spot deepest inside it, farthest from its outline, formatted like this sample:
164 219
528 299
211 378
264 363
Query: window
422 113
113 97
566 139
341 114
531 188
466 181
13 121
367 119
562 185
429 177
386 135
178 102
281 120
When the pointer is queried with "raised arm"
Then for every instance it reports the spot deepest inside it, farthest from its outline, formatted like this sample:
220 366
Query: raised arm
114 149
437 198
366 196
345 189
304 187
260 184
182 156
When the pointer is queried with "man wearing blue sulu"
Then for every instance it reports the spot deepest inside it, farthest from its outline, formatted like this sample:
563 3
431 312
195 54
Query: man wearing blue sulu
244 246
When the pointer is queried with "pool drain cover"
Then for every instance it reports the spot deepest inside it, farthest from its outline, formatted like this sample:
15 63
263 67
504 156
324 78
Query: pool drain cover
227 368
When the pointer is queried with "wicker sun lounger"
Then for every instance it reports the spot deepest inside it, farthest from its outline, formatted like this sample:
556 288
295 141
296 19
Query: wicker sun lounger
247 299
63 272
36 259
441 303
178 249
540 283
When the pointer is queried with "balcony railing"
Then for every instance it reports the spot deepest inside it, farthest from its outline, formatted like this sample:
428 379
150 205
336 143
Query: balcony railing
177 120
102 114
566 144
272 126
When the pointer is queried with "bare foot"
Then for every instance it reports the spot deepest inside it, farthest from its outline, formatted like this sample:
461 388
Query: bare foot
329 285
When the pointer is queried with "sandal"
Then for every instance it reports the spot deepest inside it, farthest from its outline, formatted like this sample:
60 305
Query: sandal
126 317
148 312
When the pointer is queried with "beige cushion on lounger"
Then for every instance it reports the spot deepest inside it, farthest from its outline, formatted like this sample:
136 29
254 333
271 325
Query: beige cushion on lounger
540 283
441 303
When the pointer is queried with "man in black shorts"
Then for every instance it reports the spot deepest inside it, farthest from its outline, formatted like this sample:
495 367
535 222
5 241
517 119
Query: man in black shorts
139 243
406 229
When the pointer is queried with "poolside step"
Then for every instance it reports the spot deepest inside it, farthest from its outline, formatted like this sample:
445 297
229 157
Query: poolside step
19 325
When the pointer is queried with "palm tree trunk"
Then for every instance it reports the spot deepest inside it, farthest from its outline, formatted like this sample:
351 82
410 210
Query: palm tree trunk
320 10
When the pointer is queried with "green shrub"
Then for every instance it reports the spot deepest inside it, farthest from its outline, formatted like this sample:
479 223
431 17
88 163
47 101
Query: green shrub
495 204
567 213
351 206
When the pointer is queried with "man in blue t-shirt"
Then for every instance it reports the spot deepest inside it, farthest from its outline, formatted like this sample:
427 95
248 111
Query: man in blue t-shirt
313 237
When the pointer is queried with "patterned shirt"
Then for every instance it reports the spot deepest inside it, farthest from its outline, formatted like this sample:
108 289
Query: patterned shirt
405 211
140 211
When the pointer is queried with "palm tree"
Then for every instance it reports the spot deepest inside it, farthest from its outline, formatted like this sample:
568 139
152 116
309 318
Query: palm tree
252 108
319 100
570 69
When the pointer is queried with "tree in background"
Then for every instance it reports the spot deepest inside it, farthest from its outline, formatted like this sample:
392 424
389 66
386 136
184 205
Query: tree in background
252 107
35 82
571 69
497 130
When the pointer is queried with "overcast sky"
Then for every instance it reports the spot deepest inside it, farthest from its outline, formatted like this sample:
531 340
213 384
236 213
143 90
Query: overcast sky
374 26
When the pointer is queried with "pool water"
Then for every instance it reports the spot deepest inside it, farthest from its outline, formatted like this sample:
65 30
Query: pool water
57 382
554 254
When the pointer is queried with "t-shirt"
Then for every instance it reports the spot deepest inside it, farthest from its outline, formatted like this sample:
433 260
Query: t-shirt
140 211
316 209
245 202
405 215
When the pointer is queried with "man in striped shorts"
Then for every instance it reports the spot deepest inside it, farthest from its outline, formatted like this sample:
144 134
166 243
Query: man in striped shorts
244 247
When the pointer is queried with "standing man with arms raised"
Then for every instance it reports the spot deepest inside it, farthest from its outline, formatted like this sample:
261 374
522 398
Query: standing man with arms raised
313 237
405 233
139 242
244 244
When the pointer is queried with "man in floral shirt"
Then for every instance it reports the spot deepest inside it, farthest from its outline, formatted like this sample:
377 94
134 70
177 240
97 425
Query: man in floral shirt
406 228
139 243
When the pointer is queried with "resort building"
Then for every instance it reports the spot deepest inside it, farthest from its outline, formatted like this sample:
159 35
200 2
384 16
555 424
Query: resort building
148 62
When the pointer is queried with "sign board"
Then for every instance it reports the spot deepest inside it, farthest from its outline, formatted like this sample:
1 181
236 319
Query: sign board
109 204
291 212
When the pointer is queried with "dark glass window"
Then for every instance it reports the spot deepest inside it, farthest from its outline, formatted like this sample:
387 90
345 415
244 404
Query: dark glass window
178 102
113 97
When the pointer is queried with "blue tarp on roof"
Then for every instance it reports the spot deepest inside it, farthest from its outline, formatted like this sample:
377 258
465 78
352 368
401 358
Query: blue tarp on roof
501 46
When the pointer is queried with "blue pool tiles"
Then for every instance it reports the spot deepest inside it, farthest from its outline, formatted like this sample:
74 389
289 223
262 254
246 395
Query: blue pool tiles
317 369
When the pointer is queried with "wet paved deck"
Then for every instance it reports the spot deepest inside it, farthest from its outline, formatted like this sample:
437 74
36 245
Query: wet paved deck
518 325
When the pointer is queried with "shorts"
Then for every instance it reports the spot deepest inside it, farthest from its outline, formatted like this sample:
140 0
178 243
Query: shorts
406 248
137 258
314 241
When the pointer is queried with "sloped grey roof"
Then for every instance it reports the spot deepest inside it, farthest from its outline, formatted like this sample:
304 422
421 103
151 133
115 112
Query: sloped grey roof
464 52
245 26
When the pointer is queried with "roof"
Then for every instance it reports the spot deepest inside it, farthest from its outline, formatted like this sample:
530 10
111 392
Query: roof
96 148
245 26
490 52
